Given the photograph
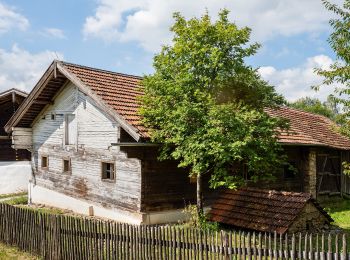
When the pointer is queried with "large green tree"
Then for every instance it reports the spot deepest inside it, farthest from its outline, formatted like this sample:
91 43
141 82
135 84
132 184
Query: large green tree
339 40
206 105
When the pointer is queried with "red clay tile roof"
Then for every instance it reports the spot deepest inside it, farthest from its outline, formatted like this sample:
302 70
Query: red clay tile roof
260 210
120 92
309 129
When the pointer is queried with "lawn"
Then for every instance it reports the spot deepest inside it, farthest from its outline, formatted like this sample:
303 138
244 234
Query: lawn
339 209
7 252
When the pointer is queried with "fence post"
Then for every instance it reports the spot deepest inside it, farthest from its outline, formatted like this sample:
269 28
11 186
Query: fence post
329 255
343 255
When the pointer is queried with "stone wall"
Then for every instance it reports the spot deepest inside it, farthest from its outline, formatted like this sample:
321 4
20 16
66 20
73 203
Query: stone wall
310 173
310 219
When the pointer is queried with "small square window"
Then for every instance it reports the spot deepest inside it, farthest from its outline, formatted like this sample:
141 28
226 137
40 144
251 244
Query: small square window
53 116
66 165
108 171
44 162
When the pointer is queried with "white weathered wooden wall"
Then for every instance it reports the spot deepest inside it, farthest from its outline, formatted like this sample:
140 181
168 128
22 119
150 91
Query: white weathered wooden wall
95 133
22 138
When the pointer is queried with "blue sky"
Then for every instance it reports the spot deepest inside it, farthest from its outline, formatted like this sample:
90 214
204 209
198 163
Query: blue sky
123 35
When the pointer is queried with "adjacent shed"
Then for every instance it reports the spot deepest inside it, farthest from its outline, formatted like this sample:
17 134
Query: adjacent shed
269 211
10 100
15 169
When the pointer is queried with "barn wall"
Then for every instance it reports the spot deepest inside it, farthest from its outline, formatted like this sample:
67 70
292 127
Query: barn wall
166 187
296 155
329 169
6 152
95 133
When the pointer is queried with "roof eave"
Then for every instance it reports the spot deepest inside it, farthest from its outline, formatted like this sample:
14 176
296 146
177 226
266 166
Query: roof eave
313 145
16 117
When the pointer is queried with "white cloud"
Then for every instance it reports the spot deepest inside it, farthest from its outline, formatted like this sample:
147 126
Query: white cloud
22 69
10 19
296 82
147 21
54 32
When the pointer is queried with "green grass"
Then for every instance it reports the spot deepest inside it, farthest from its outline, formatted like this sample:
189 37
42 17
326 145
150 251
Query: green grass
17 200
4 196
7 252
339 209
49 210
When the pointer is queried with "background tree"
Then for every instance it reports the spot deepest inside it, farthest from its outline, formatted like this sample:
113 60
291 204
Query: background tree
339 71
205 105
328 108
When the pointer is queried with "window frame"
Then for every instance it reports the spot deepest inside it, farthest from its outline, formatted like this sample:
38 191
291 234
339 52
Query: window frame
41 162
69 165
113 168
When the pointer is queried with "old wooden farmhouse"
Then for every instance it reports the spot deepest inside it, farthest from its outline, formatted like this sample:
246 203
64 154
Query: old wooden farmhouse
90 152
15 169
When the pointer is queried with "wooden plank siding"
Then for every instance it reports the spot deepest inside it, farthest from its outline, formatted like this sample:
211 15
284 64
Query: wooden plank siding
164 185
8 105
95 133
9 154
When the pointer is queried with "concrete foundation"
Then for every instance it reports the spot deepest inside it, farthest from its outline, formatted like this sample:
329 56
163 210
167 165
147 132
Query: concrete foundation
41 195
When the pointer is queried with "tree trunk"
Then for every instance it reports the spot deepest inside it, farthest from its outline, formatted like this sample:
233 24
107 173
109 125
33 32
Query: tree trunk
199 194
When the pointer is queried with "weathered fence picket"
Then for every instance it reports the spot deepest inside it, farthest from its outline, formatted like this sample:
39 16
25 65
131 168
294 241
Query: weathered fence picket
63 237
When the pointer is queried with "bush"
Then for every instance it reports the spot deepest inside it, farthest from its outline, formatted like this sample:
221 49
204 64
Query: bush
199 220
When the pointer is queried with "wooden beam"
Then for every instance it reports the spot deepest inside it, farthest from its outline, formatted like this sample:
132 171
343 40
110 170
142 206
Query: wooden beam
48 75
4 137
43 102
134 144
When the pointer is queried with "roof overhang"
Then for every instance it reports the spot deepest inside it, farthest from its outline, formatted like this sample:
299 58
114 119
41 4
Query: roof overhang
13 91
44 91
313 145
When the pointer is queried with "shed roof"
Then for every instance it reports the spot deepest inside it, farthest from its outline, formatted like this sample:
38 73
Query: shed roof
309 129
261 210
118 94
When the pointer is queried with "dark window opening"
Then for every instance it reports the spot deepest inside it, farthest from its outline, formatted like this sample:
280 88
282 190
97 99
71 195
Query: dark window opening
108 171
66 165
290 170
44 162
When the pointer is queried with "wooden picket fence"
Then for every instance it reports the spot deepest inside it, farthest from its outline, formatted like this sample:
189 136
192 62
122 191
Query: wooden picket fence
62 237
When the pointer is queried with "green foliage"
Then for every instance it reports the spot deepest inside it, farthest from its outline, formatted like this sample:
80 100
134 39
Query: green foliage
199 220
339 209
346 168
314 105
339 71
206 106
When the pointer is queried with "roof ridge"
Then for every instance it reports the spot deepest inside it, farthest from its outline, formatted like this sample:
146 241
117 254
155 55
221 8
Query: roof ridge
13 89
267 191
99 70
307 112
